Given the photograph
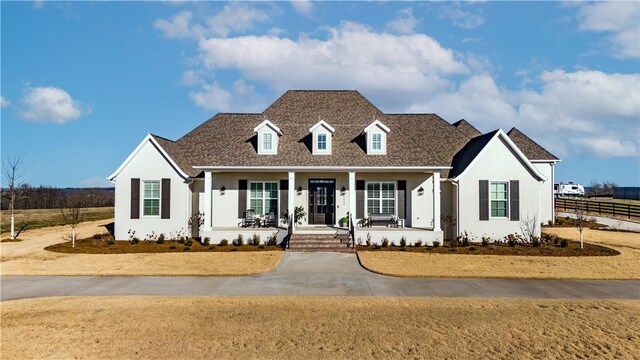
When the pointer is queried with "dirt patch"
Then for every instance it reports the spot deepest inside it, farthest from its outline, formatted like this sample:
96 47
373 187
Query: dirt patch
572 249
29 258
624 266
318 327
8 240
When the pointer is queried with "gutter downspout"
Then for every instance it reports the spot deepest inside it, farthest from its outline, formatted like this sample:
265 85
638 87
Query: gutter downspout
457 192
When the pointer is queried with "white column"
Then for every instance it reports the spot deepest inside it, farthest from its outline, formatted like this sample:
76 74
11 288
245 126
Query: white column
292 194
352 194
436 201
208 200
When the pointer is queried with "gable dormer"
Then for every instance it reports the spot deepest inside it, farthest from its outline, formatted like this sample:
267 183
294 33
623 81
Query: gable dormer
268 134
376 134
322 134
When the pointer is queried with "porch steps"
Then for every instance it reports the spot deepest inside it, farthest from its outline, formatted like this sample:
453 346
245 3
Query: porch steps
336 242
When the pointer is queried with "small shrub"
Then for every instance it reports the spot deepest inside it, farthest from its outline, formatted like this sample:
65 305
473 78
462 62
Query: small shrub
134 240
564 243
172 247
455 242
465 240
485 241
535 241
224 242
272 240
188 242
255 239
385 242
186 248
368 239
261 246
403 242
160 239
435 243
234 249
239 240
207 241
556 240
511 242
418 243
181 240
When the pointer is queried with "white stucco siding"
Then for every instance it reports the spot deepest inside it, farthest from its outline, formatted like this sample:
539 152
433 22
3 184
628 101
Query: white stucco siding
496 163
149 164
546 192
447 207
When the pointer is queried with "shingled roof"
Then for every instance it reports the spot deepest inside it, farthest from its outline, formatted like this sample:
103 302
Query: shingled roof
464 127
228 139
531 149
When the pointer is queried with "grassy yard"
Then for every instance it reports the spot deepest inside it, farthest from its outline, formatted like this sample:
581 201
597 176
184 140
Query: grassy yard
40 218
318 328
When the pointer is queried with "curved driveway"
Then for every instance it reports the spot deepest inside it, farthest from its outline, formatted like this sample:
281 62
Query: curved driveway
313 274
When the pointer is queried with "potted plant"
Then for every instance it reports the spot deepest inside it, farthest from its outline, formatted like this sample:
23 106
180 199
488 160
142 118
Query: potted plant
344 221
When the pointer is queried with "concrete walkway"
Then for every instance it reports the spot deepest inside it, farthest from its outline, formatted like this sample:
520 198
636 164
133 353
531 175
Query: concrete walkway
314 274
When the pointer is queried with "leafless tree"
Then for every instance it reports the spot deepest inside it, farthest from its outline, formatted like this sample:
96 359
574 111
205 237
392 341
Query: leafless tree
446 220
195 223
12 171
529 228
73 215
581 218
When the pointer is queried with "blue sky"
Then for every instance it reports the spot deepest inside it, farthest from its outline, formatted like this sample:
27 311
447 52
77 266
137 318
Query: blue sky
83 83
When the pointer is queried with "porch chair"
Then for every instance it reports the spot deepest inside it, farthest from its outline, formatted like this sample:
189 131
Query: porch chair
249 218
270 220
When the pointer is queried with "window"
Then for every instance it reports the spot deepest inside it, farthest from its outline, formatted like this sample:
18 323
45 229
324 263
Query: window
151 198
267 142
499 200
376 142
381 198
263 197
322 141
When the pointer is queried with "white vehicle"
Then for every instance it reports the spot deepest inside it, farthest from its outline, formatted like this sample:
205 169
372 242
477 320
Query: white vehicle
568 189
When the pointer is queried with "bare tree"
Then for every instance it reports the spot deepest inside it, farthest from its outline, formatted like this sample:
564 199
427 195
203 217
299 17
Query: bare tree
581 218
445 221
73 215
529 228
12 171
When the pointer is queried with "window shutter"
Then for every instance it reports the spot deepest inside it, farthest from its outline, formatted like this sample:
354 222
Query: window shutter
242 198
514 200
359 199
165 199
284 197
402 198
135 198
484 200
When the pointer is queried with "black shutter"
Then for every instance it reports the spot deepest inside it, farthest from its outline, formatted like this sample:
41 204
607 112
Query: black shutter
165 190
284 197
402 198
242 198
135 198
484 200
514 200
359 199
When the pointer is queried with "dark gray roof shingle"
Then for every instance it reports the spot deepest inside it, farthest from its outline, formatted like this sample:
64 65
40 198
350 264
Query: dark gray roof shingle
469 130
531 149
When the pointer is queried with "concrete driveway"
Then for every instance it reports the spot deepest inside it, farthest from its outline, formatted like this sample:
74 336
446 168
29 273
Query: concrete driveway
314 274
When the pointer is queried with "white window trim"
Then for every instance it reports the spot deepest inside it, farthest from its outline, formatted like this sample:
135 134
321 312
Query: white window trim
508 200
395 195
328 142
263 197
142 198
383 143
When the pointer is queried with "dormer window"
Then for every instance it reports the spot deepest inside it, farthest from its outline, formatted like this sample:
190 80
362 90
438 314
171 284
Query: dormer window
376 134
267 134
321 134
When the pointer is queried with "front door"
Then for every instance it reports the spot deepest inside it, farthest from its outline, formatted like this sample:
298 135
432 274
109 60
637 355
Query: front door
321 201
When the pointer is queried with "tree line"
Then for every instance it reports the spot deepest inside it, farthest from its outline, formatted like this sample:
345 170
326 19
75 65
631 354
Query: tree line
604 188
47 197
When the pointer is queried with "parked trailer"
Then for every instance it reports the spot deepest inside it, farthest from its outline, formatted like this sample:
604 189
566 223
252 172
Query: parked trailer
568 189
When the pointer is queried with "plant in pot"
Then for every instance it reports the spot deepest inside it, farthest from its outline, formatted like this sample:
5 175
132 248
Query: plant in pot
344 221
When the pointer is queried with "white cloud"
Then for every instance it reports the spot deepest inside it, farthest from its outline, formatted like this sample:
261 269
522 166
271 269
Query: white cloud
38 4
404 23
235 17
618 18
460 17
4 102
51 104
606 146
241 98
178 27
304 7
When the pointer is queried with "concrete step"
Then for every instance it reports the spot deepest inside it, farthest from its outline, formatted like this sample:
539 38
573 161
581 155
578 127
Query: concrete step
316 241
338 250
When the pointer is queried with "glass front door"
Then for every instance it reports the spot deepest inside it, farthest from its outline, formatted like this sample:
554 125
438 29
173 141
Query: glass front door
322 201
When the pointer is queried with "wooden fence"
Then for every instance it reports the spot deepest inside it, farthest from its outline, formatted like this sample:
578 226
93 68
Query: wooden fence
599 207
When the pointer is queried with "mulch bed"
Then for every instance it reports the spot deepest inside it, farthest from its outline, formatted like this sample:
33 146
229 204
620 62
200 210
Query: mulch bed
10 240
101 246
573 249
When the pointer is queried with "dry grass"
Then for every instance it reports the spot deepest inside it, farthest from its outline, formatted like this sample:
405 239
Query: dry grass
624 266
28 257
318 327
40 218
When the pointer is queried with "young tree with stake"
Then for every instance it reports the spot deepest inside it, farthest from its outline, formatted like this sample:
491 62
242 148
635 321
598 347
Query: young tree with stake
12 171
73 215
581 219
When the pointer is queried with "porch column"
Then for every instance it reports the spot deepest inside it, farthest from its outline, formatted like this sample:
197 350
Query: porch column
352 195
292 195
436 201
208 184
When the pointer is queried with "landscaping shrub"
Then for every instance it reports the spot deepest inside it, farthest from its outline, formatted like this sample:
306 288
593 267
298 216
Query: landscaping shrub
207 241
485 241
418 243
224 242
403 242
188 242
172 247
435 243
455 242
385 242
134 240
255 239
465 240
512 239
160 239
368 239
186 248
239 240
535 241
564 243
272 240
511 242
556 240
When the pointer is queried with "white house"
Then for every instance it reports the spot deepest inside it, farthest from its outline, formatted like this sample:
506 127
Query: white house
333 153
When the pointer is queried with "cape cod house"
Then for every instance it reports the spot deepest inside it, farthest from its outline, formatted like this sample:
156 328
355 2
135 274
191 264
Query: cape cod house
333 154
